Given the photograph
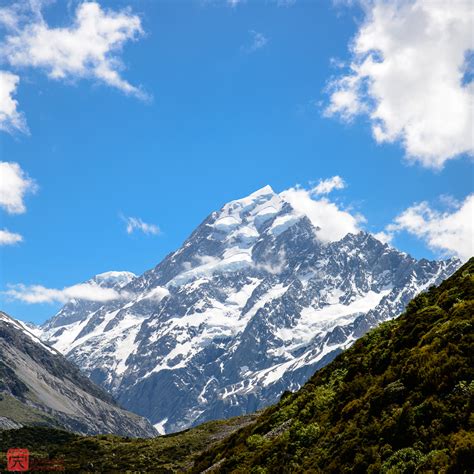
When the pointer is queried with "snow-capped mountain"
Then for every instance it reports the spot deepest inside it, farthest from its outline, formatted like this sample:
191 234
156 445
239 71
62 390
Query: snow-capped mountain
76 310
250 305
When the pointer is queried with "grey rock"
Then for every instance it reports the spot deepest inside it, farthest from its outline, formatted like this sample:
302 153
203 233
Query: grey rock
39 386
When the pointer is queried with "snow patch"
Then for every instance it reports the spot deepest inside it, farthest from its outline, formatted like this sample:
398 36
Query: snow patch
282 223
160 426
316 320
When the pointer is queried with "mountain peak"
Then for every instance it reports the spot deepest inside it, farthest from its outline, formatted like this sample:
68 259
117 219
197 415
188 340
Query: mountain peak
252 301
261 195
266 190
249 211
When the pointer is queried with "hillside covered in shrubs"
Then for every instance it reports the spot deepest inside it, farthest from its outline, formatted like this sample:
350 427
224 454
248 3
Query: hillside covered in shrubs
400 400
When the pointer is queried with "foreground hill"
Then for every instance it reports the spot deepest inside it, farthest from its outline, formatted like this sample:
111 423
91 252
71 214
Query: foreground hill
252 304
399 401
108 453
39 386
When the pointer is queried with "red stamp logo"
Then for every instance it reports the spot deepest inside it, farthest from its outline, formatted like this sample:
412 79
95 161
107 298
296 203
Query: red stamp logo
18 459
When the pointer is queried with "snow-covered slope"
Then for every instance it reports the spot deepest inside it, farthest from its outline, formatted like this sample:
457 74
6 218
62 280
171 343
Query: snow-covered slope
75 311
250 305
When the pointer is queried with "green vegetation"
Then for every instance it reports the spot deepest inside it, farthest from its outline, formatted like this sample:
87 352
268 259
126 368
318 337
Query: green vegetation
24 414
108 453
400 400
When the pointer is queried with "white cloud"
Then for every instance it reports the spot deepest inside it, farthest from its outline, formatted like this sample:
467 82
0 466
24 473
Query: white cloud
11 119
450 232
333 223
84 291
259 40
89 48
157 293
135 223
325 186
14 184
9 238
407 76
384 237
207 260
9 17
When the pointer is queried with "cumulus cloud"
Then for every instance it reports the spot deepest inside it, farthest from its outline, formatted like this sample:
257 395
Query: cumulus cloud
14 184
410 74
450 232
258 41
11 119
9 238
325 186
84 291
332 222
135 223
89 48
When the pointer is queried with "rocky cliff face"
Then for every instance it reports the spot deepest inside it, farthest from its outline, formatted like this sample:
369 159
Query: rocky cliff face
38 385
250 305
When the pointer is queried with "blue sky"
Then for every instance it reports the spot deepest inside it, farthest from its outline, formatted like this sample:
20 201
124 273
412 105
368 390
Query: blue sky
237 97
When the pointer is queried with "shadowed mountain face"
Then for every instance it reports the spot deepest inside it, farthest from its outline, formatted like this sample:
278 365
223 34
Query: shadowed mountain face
39 386
250 305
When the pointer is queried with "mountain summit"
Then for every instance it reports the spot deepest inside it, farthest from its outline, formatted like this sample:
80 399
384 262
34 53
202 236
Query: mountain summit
250 306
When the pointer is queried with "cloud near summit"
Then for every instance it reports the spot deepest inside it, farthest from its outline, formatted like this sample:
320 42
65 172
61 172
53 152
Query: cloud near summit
332 222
